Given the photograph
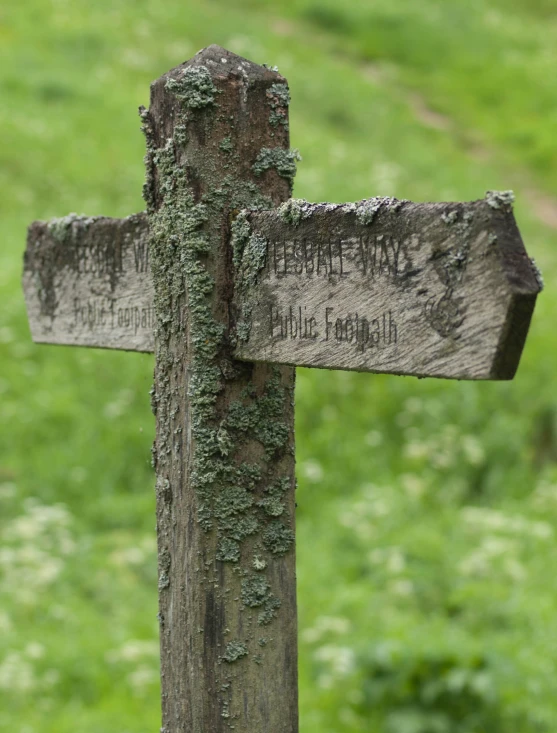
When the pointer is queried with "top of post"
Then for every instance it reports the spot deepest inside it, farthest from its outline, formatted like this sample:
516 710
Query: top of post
222 64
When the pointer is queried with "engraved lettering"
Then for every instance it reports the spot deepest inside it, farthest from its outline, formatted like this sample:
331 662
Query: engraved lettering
98 314
98 259
328 323
298 257
141 255
364 253
356 329
294 323
321 259
342 253
308 257
330 250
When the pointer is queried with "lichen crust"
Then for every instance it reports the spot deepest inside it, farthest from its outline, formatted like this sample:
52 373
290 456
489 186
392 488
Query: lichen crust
241 503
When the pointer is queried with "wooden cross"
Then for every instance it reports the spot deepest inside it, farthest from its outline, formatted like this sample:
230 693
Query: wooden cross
226 278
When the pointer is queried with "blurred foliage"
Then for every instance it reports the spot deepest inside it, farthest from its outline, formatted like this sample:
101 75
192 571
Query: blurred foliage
427 509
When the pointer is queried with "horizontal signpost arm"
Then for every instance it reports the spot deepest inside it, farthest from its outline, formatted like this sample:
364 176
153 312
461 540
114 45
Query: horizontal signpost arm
429 290
444 290
87 282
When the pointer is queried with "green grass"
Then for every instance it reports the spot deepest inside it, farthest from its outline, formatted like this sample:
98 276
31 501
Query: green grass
427 510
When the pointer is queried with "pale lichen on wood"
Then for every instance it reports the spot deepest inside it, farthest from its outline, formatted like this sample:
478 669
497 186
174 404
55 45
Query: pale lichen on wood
386 285
87 282
225 438
377 285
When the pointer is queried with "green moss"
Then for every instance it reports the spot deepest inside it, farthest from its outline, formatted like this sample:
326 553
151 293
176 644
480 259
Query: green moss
194 88
228 550
164 569
272 505
184 232
240 527
281 486
253 260
259 563
262 416
279 99
243 328
235 650
224 441
292 211
249 257
500 199
226 145
249 474
232 500
283 161
255 591
60 229
234 194
240 234
367 209
450 217
278 538
181 135
269 611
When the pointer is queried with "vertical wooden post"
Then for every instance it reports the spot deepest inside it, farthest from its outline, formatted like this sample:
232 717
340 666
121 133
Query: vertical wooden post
217 141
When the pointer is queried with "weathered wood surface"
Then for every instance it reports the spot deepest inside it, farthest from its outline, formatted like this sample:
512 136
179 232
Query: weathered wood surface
87 282
438 290
217 142
442 290
427 289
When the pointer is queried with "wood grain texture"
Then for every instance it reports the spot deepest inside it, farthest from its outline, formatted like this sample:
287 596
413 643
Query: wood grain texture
437 290
454 277
87 282
224 451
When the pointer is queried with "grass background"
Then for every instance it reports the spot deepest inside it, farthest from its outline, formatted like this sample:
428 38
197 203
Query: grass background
427 515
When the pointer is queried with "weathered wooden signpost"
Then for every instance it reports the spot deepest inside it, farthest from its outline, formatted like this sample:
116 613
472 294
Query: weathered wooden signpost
232 284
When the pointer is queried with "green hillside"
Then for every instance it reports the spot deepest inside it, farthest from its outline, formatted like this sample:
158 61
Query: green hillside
427 511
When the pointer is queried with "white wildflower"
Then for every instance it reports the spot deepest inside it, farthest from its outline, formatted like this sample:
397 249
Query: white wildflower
142 677
16 674
473 450
312 470
133 650
374 438
325 625
402 587
34 650
413 485
340 660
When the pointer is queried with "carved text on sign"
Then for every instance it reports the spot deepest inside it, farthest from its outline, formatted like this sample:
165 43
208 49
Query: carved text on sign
441 290
370 255
88 282
352 328
426 289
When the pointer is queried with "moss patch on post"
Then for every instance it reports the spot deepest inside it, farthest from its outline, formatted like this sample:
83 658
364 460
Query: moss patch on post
500 199
367 209
183 232
194 88
279 99
283 161
235 650
294 210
